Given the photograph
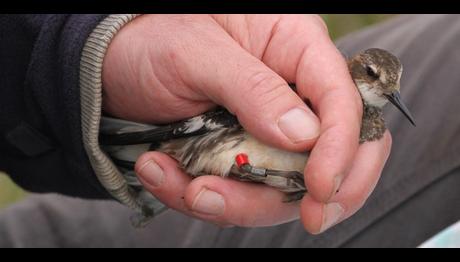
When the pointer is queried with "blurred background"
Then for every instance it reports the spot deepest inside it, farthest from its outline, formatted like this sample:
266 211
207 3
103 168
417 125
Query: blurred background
338 25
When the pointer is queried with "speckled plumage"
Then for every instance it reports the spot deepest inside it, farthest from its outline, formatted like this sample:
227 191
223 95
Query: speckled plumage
376 74
207 144
373 124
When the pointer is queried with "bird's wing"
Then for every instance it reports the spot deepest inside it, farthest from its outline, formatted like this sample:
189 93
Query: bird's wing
121 132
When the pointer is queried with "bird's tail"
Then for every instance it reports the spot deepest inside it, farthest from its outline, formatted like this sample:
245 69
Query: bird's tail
124 141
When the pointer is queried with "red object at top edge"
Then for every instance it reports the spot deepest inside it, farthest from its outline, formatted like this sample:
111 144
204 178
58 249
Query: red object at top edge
241 159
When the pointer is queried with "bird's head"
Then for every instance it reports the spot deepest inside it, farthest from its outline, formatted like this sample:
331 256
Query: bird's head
377 75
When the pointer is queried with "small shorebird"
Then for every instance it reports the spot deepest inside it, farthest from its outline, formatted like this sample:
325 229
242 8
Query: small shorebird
214 143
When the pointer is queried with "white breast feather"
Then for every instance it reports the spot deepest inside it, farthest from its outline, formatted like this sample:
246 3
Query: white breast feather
370 96
220 160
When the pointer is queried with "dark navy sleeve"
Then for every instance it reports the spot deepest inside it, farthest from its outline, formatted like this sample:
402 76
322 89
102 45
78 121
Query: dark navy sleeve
41 145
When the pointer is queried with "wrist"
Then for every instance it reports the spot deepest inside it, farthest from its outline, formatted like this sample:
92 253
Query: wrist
91 101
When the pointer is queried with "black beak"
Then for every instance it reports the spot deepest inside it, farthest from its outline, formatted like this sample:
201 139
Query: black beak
395 99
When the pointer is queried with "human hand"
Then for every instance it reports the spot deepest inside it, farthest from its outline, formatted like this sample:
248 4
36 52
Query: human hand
163 68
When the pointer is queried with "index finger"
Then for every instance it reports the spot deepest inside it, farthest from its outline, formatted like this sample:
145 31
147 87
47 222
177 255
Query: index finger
310 59
324 79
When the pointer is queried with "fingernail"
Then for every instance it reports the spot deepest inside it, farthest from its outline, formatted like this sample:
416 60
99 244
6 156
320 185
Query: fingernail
208 202
299 125
332 213
152 173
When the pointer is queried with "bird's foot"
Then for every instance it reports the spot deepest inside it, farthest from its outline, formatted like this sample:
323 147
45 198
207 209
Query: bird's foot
294 196
290 182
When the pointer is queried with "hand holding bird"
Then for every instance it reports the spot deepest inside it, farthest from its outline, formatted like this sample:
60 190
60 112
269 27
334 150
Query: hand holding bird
246 68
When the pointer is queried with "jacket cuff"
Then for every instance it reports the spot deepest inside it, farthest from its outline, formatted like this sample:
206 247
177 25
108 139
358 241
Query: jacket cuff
91 102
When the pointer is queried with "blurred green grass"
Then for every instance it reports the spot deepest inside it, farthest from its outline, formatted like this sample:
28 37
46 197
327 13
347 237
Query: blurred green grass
9 192
342 24
338 24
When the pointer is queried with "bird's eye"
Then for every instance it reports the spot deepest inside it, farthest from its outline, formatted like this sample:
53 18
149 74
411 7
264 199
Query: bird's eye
370 72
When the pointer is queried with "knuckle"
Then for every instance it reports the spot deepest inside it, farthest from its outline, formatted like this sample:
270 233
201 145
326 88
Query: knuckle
318 22
264 87
312 20
331 148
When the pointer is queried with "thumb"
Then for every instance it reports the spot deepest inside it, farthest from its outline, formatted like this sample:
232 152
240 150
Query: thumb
269 109
262 100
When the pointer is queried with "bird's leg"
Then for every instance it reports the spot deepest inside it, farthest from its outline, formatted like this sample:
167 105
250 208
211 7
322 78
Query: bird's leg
294 196
290 182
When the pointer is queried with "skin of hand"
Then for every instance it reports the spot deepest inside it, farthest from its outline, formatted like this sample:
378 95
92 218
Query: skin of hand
163 68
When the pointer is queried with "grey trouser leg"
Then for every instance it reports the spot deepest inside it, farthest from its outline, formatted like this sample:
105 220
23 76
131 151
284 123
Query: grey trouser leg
417 196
